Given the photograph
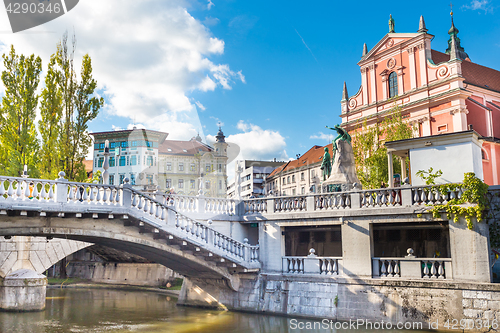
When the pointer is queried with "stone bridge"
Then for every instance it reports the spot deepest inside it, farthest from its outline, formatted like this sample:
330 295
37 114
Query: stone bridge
124 219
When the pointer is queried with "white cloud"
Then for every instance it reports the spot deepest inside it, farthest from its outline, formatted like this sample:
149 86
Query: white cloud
147 56
484 5
199 105
210 4
254 143
323 136
116 128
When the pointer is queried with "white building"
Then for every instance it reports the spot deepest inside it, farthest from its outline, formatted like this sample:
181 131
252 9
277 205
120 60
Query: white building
133 155
300 176
251 178
183 163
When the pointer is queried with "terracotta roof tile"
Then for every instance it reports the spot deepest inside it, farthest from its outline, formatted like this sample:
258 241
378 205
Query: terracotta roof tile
312 156
473 73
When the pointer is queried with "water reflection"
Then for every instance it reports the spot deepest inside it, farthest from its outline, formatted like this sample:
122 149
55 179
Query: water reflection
100 310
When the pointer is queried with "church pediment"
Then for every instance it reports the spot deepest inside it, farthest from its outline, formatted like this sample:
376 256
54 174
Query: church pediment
386 43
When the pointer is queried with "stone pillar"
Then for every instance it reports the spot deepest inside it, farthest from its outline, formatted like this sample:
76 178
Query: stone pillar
470 251
391 171
357 248
23 290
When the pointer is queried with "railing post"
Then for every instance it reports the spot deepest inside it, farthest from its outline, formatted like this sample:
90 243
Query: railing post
239 207
210 235
270 205
311 263
126 197
310 203
61 188
355 200
201 204
406 197
246 250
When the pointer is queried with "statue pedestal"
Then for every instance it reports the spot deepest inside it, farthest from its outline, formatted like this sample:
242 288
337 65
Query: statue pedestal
343 176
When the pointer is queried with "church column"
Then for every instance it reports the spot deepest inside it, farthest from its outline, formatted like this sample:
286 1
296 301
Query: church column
384 86
373 84
413 76
364 81
423 64
391 171
401 88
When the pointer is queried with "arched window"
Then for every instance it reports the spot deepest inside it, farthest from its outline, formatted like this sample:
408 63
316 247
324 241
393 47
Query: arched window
484 155
393 84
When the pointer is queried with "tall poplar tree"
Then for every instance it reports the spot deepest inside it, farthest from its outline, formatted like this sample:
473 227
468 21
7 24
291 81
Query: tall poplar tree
49 127
70 106
18 135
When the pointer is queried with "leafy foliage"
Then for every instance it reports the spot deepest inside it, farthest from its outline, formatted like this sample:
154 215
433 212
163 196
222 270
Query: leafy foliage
370 154
428 176
18 137
474 192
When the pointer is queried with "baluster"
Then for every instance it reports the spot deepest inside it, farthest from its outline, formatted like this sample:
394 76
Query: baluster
177 220
85 194
295 266
35 190
398 198
335 268
71 194
370 201
377 198
383 269
329 267
433 270
203 230
347 201
26 190
10 191
117 197
441 270
147 203
384 197
18 190
392 198
390 269
2 189
416 198
218 241
396 269
423 197
92 195
426 269
152 208
105 195
363 199
459 195
141 202
452 195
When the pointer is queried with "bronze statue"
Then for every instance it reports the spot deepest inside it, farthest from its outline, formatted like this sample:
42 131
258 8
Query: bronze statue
326 165
391 24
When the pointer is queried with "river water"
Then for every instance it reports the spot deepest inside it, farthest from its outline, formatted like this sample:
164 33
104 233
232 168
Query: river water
107 310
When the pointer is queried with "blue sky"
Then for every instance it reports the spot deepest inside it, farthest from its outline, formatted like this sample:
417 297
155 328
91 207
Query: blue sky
270 71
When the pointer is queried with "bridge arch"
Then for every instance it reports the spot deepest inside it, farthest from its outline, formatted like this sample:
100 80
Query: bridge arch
35 253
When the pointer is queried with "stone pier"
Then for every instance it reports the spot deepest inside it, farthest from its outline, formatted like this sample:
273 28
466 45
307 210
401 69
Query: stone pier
23 290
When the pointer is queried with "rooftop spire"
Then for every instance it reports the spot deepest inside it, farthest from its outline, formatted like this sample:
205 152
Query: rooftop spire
391 24
455 50
365 49
220 136
421 25
344 92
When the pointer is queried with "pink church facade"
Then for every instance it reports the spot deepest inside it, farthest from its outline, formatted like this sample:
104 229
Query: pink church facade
438 92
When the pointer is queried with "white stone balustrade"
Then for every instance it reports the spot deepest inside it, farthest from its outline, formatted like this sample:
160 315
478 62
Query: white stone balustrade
311 265
156 211
432 195
412 268
381 198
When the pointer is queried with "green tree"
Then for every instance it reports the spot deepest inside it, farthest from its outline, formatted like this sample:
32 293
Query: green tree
370 154
18 135
49 127
79 107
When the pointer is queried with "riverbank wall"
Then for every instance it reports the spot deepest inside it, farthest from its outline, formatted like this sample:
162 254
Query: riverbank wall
435 304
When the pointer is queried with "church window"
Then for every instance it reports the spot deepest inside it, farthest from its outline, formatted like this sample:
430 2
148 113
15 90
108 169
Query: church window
393 84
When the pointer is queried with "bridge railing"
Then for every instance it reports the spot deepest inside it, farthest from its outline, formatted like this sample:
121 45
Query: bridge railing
157 210
412 268
311 265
